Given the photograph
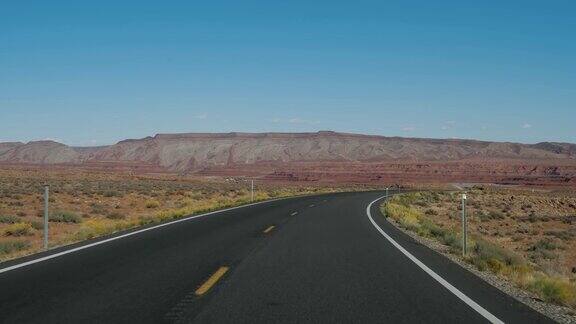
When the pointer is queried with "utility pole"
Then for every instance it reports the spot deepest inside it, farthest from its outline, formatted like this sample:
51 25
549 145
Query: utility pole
46 214
252 191
464 226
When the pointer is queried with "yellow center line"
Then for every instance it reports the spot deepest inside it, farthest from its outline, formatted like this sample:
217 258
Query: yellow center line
269 229
211 281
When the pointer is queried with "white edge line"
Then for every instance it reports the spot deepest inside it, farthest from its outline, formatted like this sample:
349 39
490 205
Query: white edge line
294 214
486 314
55 255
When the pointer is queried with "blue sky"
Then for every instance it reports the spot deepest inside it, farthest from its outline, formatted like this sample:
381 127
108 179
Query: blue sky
93 73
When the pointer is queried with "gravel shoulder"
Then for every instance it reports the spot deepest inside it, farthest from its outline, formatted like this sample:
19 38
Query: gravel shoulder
557 313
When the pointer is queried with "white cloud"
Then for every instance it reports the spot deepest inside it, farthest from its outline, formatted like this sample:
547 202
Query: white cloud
53 140
409 128
526 126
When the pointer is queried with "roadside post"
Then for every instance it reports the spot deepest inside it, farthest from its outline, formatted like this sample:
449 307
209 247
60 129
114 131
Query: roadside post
386 193
46 214
252 191
464 226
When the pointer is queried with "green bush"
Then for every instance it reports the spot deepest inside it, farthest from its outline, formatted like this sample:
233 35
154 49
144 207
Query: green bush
37 225
429 229
494 257
492 215
452 240
543 249
111 193
563 235
9 219
7 247
116 216
65 217
98 209
544 244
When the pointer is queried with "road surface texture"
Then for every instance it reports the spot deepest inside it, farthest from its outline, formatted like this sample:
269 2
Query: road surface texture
318 259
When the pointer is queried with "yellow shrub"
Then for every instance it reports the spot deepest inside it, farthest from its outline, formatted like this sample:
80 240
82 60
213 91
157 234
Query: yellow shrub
556 290
99 227
408 217
152 204
522 275
18 229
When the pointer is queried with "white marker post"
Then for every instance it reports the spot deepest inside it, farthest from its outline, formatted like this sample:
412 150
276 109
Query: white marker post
252 191
386 193
46 214
464 226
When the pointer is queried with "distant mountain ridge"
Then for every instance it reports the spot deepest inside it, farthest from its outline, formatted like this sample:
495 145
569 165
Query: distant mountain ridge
189 152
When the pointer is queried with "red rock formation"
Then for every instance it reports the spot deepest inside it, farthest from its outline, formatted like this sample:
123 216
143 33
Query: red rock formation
322 156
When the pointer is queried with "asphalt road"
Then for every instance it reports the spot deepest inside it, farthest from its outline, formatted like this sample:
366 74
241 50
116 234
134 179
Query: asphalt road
323 261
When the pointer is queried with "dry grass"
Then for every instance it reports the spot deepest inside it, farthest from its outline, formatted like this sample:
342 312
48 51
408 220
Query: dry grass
19 229
87 205
537 260
152 203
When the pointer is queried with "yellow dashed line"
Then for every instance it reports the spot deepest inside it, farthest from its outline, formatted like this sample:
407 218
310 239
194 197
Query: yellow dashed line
269 229
211 281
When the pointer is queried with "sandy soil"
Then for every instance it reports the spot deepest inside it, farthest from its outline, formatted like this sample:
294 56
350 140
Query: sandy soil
536 223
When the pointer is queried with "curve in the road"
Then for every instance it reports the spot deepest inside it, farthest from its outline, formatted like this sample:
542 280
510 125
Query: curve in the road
481 310
308 260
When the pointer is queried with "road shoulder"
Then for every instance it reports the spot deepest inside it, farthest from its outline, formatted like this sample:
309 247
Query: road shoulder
489 296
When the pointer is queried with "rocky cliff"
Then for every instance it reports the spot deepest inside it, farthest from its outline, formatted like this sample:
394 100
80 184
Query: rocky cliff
199 152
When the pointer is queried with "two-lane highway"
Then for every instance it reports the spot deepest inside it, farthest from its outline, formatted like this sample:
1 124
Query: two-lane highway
308 259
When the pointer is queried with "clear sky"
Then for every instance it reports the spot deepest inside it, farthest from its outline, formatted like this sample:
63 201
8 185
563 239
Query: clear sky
95 72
